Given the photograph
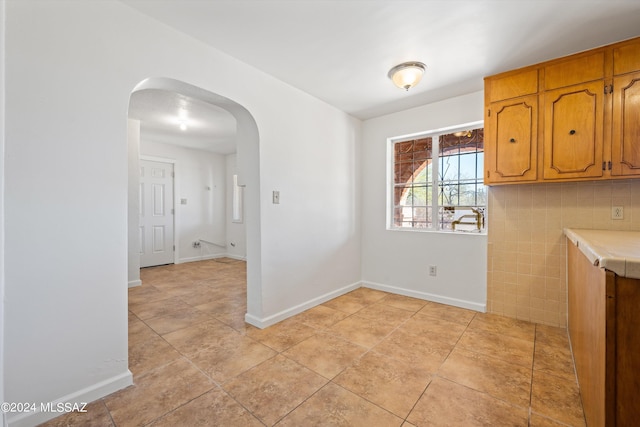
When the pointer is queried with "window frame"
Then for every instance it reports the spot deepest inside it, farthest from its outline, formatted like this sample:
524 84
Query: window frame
434 185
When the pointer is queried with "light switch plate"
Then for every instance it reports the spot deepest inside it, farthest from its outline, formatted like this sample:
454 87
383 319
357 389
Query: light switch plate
276 197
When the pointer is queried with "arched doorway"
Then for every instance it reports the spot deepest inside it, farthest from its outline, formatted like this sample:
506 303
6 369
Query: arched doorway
248 166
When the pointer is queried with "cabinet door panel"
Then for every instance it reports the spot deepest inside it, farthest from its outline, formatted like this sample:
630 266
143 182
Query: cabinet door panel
511 153
573 137
513 85
626 58
627 351
625 148
577 70
586 303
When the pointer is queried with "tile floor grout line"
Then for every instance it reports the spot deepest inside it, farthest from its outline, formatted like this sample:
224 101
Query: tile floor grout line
372 349
434 374
419 397
108 412
301 403
470 388
368 400
242 405
369 350
456 343
175 409
228 393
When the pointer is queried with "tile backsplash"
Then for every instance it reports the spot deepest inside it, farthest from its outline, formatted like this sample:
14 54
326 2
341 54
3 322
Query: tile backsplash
526 270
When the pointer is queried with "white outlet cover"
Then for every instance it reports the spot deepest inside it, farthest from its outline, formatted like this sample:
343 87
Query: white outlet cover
617 212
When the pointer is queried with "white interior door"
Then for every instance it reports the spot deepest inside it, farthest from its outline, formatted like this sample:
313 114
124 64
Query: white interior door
156 213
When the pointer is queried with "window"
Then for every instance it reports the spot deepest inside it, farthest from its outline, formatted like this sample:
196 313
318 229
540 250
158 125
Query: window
437 180
237 201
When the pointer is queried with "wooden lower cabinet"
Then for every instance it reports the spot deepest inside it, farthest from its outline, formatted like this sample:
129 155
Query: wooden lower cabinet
604 329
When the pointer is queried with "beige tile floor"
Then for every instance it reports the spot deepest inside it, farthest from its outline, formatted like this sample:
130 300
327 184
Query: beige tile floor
367 358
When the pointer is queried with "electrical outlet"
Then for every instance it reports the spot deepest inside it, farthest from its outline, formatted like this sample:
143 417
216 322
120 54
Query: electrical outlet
433 270
617 212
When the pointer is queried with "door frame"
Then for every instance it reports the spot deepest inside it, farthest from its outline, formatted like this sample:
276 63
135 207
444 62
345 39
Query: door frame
173 206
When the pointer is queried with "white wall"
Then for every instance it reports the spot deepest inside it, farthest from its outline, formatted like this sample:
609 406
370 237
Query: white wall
2 91
200 179
311 240
398 261
236 231
69 76
133 201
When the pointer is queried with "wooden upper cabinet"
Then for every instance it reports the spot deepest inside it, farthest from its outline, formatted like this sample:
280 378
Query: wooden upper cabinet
581 69
625 147
575 118
512 85
626 57
512 127
573 135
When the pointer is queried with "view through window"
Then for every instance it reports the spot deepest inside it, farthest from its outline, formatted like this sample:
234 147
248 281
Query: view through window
437 181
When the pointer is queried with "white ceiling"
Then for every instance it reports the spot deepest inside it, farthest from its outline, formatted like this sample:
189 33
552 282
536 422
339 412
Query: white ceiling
160 112
341 50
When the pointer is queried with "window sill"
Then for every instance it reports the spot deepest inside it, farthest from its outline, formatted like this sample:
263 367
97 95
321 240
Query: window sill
428 230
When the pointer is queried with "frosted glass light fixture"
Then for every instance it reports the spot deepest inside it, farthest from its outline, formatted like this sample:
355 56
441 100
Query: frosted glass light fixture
407 74
182 119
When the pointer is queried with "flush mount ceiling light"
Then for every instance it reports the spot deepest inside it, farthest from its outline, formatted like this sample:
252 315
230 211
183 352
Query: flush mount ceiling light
407 74
182 119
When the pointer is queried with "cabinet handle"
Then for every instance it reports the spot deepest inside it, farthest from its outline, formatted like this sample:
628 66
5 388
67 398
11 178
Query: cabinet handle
572 132
512 140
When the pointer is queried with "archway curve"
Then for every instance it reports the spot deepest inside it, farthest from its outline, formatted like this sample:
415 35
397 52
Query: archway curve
248 155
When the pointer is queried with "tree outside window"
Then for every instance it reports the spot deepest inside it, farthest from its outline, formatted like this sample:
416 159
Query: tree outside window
439 186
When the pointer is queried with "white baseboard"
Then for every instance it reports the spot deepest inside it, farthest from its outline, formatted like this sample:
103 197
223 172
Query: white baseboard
134 283
471 305
86 395
285 314
211 256
202 258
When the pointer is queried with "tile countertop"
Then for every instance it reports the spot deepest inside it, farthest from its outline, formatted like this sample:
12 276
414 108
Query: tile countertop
618 251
